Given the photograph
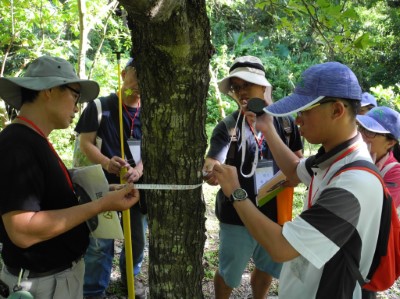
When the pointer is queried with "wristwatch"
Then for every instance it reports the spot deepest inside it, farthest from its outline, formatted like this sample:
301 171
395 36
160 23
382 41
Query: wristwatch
238 194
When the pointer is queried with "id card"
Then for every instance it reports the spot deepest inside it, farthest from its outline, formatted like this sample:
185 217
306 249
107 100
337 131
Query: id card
134 147
264 172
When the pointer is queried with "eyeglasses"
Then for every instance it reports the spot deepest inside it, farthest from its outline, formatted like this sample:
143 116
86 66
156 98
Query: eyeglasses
370 134
300 113
77 93
237 88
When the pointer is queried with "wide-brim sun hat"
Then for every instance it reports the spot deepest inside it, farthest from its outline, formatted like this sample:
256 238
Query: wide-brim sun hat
383 120
247 68
368 99
44 73
329 79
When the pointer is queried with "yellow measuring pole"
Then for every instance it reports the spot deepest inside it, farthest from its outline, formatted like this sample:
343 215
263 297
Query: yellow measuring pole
126 216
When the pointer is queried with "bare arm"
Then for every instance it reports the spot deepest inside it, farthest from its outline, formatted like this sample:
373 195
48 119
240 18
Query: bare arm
264 230
28 228
88 147
113 165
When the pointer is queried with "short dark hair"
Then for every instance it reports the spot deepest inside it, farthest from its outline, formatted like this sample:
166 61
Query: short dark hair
28 95
353 105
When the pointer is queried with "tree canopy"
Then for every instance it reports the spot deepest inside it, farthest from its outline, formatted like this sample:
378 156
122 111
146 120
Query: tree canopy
287 35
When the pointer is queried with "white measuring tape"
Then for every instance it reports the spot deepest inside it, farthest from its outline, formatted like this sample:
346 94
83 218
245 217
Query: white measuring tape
166 187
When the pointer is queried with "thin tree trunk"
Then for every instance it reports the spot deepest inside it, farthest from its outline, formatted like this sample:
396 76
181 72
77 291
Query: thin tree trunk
83 38
171 43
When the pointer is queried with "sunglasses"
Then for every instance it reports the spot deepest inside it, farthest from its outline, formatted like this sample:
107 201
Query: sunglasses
300 113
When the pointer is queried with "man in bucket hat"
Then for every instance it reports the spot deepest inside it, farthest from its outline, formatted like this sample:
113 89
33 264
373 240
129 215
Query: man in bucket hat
42 227
341 213
235 141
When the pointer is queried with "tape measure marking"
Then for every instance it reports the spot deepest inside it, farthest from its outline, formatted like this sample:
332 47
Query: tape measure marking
166 187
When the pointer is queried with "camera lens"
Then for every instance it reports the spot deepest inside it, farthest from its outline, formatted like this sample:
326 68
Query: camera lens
256 105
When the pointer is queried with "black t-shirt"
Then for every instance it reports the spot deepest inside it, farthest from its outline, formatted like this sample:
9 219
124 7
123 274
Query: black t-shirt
108 130
33 180
219 147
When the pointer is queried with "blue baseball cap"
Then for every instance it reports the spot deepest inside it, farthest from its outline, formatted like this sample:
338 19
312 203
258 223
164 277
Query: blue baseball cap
329 79
368 99
381 120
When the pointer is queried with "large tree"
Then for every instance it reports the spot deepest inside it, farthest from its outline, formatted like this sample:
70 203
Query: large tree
171 43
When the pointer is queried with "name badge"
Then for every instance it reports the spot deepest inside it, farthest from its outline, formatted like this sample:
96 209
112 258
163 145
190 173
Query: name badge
134 147
264 172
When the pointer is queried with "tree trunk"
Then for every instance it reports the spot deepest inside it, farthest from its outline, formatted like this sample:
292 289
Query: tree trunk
171 43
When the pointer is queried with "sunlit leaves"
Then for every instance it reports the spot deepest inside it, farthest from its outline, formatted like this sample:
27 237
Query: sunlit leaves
363 41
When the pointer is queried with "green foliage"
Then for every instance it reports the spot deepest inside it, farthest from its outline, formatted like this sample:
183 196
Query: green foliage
34 28
378 64
210 263
387 96
298 199
3 115
287 35
63 143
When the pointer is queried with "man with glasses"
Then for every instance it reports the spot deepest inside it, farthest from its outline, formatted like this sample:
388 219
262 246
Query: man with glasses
341 211
236 142
42 225
100 254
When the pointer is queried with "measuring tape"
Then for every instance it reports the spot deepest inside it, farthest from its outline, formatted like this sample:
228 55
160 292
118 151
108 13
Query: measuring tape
163 187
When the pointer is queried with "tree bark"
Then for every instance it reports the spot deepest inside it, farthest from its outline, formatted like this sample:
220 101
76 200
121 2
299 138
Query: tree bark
171 44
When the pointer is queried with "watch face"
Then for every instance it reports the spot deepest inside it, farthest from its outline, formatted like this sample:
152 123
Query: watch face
239 194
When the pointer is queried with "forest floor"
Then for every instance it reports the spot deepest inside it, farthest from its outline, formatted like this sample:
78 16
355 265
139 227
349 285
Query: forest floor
210 263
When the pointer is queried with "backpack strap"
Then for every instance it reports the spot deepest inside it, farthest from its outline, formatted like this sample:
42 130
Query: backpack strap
387 168
385 222
99 110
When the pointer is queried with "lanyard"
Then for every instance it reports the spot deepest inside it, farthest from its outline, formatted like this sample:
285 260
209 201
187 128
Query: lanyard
243 146
132 118
349 151
60 162
259 140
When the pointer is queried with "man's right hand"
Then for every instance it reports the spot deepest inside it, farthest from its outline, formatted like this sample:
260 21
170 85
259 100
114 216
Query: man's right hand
121 199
